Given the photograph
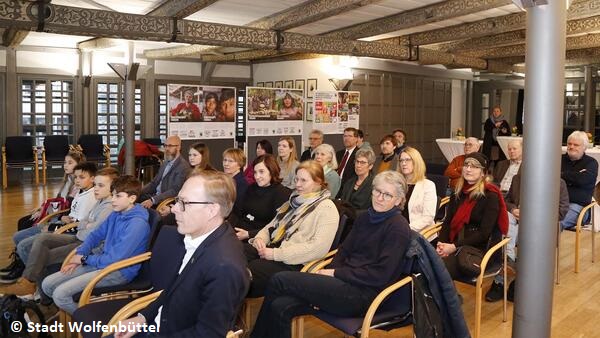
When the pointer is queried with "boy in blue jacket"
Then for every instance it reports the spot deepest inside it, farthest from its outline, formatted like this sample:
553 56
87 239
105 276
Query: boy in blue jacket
125 234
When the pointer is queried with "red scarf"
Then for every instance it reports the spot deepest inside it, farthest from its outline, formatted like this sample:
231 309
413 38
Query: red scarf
463 213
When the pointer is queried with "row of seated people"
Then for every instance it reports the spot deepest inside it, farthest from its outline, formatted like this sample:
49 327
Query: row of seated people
260 254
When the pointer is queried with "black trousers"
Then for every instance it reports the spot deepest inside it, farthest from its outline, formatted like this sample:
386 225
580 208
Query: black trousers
262 270
292 294
25 222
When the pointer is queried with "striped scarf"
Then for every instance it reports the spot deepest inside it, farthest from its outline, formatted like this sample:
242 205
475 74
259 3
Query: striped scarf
293 213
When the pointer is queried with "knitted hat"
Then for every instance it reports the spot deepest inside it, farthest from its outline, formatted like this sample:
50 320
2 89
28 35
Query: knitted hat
477 159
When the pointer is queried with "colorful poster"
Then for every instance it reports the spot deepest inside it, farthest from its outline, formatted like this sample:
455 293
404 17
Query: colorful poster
274 111
335 111
201 112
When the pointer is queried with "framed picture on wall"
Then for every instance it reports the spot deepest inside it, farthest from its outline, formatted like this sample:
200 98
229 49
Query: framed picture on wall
289 84
260 84
299 84
269 84
311 86
278 84
309 111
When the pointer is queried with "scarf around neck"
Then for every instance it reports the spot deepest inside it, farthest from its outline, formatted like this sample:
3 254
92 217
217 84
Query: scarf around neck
292 213
376 217
495 129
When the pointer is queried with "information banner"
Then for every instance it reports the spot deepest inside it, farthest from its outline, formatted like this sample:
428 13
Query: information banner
201 112
336 110
274 111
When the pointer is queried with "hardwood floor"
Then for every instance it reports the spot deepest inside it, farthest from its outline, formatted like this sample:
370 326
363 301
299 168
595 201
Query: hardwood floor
576 299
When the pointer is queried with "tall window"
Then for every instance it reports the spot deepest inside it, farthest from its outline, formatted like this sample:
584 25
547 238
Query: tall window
110 111
162 111
47 108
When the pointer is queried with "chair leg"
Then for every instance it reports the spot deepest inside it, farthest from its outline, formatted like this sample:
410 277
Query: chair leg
4 178
593 233
505 284
298 327
577 239
44 167
478 295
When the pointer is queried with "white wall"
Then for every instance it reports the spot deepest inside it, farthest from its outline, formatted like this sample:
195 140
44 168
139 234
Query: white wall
458 106
178 68
2 58
58 63
239 71
294 70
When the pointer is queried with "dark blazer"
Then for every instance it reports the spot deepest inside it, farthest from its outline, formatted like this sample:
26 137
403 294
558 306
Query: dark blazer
513 197
361 199
306 155
500 170
172 182
204 299
580 176
488 137
483 220
349 169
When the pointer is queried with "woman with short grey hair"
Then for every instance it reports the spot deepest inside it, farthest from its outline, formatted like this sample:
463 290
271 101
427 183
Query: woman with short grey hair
325 156
357 190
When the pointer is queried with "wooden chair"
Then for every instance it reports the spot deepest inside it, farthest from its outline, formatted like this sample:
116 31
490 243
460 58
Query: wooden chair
55 148
48 217
19 152
578 228
94 150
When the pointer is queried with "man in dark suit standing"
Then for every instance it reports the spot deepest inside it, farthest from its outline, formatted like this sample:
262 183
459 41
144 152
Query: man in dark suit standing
170 177
345 157
315 139
204 297
505 170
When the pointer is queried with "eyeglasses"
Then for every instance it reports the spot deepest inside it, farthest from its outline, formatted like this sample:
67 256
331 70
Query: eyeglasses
471 166
182 204
361 162
386 196
170 145
402 160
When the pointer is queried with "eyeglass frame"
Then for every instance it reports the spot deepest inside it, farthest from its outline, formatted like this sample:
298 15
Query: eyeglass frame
386 196
182 204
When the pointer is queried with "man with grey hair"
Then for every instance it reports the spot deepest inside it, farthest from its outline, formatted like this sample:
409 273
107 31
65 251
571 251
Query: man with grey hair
454 169
315 139
505 170
579 172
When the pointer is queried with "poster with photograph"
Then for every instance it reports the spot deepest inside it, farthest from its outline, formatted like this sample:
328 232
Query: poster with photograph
274 111
201 112
335 111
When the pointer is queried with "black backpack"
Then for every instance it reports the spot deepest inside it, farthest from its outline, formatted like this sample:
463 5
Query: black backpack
426 314
13 309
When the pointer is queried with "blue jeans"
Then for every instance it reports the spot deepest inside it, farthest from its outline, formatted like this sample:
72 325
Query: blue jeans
24 240
61 287
513 233
570 219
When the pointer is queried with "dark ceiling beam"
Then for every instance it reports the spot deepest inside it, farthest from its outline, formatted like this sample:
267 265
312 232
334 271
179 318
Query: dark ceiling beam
13 37
501 24
88 22
180 8
420 16
302 14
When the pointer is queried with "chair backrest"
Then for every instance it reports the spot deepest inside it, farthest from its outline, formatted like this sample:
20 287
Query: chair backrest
347 217
92 145
167 253
56 147
19 149
436 168
154 222
154 141
338 234
441 183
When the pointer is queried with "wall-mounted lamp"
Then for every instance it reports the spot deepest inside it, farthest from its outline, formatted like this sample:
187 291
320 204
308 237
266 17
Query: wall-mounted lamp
341 84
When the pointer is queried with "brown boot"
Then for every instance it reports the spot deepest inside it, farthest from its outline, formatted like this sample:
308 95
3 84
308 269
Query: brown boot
22 287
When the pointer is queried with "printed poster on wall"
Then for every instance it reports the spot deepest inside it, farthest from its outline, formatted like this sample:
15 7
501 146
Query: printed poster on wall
201 112
336 111
274 111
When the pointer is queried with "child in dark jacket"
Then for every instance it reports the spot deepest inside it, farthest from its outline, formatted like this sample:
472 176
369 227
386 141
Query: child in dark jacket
125 234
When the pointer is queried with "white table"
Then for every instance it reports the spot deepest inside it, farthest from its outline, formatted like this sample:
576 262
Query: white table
451 147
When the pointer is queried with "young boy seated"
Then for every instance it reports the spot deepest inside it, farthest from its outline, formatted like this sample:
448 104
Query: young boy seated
125 234
81 206
50 248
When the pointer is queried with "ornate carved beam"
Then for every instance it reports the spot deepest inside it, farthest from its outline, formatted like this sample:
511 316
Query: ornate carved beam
180 8
81 21
416 17
502 24
13 37
302 14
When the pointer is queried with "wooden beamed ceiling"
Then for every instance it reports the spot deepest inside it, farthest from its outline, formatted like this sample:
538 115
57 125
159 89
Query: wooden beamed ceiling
493 44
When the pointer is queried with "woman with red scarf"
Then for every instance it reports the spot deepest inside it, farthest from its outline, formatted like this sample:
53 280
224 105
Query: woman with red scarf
475 211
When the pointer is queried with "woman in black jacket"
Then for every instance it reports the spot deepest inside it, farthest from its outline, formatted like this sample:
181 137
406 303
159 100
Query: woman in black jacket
476 209
494 126
262 199
369 260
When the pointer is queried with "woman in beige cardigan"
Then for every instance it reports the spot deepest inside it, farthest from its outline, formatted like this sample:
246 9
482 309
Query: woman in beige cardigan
302 230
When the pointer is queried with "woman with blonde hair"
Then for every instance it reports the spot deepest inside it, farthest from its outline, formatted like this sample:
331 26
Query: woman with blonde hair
302 230
476 208
325 156
421 195
287 160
